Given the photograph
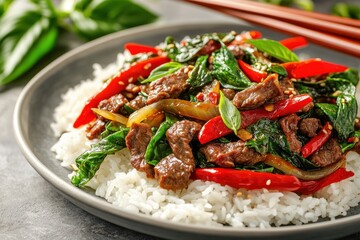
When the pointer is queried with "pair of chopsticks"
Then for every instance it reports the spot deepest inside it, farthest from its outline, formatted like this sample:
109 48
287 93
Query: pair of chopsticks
341 34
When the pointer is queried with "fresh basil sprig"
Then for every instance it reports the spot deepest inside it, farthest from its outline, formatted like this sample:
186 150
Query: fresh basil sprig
29 28
274 49
229 113
25 37
92 19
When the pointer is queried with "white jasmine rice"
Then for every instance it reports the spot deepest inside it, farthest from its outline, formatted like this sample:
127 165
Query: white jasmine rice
204 203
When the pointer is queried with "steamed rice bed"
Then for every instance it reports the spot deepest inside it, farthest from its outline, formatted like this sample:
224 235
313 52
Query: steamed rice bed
204 203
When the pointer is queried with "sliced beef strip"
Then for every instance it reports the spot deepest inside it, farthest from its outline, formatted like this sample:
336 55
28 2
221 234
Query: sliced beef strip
227 154
112 104
179 137
289 127
173 173
258 94
136 141
229 93
209 47
329 153
309 126
137 103
170 86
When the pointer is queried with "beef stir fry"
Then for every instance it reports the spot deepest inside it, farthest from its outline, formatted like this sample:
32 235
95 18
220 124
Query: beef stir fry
236 109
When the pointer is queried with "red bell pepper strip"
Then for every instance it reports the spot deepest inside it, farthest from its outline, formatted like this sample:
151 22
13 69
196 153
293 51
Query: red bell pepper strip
310 187
135 48
257 180
281 108
252 73
247 179
294 42
318 141
118 84
312 67
213 129
216 128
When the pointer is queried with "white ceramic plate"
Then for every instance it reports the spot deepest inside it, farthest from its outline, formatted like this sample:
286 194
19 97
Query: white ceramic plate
34 111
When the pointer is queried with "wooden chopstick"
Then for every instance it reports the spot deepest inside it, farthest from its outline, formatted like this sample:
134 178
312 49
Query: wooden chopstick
324 39
314 15
283 14
328 39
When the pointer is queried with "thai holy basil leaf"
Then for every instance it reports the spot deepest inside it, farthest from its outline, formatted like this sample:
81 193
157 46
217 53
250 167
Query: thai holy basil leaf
346 115
162 71
274 49
158 147
345 146
229 113
351 75
226 69
92 19
269 138
277 69
89 162
25 37
200 75
185 52
346 10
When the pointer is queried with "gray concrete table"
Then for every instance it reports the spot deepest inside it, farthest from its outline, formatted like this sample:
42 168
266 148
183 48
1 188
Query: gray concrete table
30 208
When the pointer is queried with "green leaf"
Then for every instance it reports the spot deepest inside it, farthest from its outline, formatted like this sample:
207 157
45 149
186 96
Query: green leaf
274 49
346 10
276 68
200 75
345 146
227 70
89 162
4 5
25 37
162 71
185 52
229 113
158 147
92 19
269 138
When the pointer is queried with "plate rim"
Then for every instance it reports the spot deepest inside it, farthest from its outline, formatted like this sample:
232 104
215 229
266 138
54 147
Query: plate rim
78 196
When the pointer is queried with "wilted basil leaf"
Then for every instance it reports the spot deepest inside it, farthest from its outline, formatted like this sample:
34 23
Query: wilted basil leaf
25 37
92 19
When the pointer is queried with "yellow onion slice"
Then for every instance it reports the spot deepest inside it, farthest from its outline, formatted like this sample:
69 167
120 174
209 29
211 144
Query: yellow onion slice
110 116
196 110
287 168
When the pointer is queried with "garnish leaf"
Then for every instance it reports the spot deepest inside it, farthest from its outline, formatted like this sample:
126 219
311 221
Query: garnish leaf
200 75
274 49
25 37
229 113
227 70
92 19
163 70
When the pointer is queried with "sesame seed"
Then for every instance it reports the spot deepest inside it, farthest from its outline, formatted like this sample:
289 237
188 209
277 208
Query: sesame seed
287 92
131 80
268 182
356 120
324 131
330 127
322 84
239 194
147 66
121 83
